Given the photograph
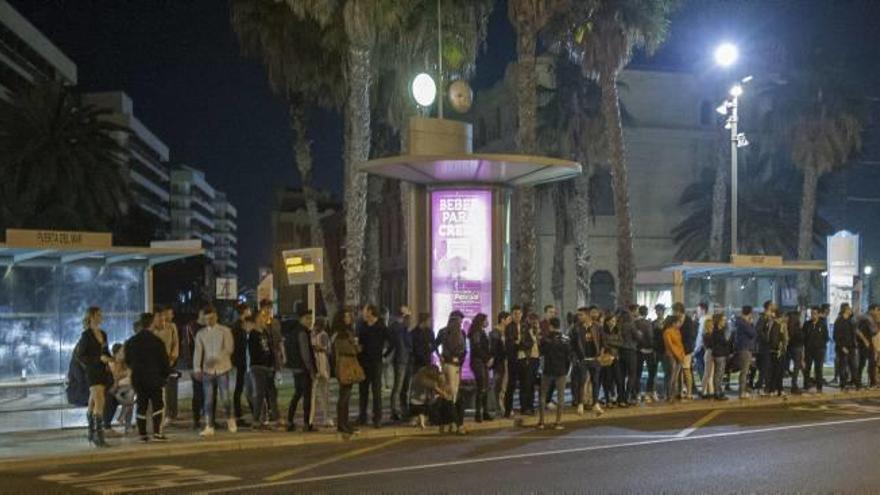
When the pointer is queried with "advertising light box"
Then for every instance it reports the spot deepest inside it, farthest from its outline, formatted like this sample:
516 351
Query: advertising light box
461 256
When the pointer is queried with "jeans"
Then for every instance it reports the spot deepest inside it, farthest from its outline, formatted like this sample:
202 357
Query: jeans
400 388
817 358
777 369
530 381
342 406
452 372
272 399
481 380
592 375
321 402
499 387
221 382
765 367
673 381
171 397
261 377
577 382
517 370
559 382
145 398
718 365
647 359
796 354
302 390
241 378
867 357
630 367
745 362
614 381
709 373
849 368
372 384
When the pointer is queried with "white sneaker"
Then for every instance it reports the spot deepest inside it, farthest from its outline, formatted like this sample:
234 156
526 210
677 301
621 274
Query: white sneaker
166 421
207 432
597 409
232 425
329 423
655 397
580 409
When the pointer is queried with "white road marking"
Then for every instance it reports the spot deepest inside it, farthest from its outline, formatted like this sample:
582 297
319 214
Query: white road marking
531 455
699 423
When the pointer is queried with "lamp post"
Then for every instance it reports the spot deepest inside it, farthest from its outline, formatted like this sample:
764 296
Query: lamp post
725 56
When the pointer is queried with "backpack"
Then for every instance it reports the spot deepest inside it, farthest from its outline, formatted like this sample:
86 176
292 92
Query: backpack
77 388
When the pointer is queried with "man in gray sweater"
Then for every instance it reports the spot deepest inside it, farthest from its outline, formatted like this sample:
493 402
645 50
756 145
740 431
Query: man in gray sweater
212 362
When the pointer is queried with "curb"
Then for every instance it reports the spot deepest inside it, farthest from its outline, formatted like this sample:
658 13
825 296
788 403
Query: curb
278 439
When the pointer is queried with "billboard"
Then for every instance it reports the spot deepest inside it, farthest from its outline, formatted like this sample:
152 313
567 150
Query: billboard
461 256
843 268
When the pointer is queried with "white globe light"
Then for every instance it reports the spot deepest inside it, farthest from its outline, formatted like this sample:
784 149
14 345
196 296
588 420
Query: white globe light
869 270
726 54
424 90
736 91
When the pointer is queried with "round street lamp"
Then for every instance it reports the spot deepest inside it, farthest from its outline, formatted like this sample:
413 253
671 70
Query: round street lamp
869 270
736 91
424 90
726 54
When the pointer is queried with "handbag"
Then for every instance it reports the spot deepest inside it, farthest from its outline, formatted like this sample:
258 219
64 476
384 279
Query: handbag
605 359
350 370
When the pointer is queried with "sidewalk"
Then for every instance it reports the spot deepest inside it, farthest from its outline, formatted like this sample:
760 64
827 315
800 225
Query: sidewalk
39 449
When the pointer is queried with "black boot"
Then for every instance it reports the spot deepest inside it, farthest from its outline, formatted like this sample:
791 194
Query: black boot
99 434
91 419
485 400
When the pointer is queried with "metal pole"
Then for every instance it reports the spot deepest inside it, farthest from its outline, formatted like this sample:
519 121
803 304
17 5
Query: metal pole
440 93
733 178
311 301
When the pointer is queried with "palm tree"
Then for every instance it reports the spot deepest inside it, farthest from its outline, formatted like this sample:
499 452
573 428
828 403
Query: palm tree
816 117
528 17
298 61
768 212
605 44
569 127
364 22
61 166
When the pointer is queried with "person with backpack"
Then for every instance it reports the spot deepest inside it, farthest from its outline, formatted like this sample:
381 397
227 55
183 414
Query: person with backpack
301 359
147 357
92 353
451 342
555 353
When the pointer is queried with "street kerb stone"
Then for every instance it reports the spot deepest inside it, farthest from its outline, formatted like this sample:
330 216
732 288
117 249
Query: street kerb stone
247 441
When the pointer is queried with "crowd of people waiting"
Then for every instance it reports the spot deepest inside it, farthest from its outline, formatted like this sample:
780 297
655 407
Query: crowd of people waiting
607 359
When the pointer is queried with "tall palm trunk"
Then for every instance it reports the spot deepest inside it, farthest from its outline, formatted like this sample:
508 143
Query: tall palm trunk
805 232
559 198
303 156
357 115
620 186
526 94
581 228
719 202
372 276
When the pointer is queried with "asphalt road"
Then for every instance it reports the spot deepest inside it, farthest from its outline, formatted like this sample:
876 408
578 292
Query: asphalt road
821 447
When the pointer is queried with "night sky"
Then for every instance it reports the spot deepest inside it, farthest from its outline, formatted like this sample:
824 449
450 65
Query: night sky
180 62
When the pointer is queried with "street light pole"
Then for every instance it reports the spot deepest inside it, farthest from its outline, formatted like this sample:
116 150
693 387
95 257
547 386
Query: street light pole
734 144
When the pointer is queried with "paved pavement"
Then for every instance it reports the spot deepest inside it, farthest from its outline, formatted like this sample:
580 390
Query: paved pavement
796 446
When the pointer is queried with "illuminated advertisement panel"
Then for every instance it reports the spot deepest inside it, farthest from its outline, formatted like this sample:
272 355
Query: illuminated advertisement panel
461 256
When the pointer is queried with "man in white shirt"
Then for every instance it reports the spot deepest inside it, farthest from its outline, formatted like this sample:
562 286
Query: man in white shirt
212 362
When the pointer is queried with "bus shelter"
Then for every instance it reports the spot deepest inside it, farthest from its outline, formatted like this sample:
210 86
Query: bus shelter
47 280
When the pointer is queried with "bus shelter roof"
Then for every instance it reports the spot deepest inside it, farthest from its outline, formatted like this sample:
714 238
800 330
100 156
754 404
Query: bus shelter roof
477 168
741 269
48 256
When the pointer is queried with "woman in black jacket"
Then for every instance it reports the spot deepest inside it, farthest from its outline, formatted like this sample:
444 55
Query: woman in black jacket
93 355
555 352
481 357
146 356
422 342
715 340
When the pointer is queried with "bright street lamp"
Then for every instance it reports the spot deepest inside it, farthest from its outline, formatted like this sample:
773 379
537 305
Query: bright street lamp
736 91
424 90
726 54
869 270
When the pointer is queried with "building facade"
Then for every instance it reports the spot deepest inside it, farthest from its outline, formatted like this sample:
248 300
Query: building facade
669 138
199 211
27 56
146 166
